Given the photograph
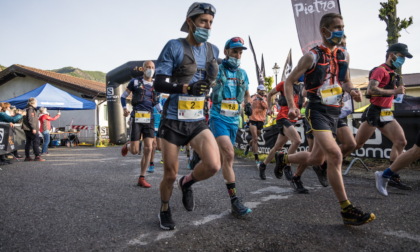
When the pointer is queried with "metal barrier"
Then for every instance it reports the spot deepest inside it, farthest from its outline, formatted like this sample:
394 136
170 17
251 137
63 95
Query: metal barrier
351 164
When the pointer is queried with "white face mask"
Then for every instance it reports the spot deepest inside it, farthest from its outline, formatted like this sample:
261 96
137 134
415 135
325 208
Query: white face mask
8 112
149 73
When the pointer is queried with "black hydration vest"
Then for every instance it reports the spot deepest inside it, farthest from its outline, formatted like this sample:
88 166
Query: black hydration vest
315 77
394 81
139 93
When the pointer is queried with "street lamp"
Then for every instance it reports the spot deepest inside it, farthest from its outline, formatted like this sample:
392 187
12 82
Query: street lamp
276 70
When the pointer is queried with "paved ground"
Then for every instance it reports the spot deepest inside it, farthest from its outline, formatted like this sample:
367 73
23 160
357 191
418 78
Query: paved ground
85 199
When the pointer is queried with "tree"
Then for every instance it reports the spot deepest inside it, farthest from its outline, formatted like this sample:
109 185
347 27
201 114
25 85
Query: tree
268 82
388 14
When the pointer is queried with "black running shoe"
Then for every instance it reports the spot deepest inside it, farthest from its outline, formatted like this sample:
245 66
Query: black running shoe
165 220
298 185
354 216
321 173
278 169
395 181
261 168
288 172
238 209
187 196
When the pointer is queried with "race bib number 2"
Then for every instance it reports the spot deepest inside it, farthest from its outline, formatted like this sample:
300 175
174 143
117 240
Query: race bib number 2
190 107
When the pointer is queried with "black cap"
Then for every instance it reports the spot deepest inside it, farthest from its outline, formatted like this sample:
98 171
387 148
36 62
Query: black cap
401 48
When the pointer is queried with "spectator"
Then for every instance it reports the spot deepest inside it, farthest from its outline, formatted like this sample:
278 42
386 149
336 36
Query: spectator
45 129
31 127
5 116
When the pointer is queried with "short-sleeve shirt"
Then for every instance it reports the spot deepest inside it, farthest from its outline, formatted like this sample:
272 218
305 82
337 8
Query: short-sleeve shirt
170 58
284 110
259 109
147 103
381 74
229 91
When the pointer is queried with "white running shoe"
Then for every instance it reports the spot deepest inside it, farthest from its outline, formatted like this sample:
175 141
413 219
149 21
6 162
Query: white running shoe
381 183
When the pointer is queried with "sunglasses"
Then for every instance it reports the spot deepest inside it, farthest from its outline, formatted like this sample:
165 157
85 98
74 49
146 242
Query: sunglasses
237 39
207 8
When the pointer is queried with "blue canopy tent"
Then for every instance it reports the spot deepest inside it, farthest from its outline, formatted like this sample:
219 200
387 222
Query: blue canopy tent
52 98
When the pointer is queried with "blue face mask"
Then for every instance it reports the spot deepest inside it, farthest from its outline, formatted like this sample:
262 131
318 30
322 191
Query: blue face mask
336 37
201 35
398 62
234 62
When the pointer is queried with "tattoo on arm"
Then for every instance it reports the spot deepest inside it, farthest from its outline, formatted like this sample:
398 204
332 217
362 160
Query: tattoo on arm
373 88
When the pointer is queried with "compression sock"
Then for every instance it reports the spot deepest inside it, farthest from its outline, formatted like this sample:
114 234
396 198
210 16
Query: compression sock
387 173
344 204
231 190
256 157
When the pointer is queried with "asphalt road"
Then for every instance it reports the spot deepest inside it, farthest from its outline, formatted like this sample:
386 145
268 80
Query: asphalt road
86 199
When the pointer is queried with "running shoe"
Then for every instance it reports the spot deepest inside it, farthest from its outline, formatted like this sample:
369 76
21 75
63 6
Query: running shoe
321 173
354 216
238 209
288 172
247 150
39 158
395 181
278 169
151 169
298 185
165 220
124 150
187 196
261 168
143 183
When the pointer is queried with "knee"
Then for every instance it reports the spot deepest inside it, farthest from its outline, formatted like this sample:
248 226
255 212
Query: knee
147 149
169 178
349 146
401 142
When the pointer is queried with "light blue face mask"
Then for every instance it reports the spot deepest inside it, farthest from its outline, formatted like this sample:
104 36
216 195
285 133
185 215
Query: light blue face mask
201 35
234 62
336 37
398 62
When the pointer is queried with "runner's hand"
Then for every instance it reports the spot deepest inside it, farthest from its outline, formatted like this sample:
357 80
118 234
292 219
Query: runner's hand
126 112
293 113
198 88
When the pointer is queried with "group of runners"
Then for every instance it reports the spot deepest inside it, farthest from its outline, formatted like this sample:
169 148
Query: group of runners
187 70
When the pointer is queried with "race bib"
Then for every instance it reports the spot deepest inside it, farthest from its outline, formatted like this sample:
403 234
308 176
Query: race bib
386 115
190 107
142 117
331 94
229 108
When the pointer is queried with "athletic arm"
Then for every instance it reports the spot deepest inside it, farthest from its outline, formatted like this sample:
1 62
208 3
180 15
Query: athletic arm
303 65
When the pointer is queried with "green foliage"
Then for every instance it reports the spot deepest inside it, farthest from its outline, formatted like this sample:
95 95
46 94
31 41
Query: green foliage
88 75
268 82
2 68
388 14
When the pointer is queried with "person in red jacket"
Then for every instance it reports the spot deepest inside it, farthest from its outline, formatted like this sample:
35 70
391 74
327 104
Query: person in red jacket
45 127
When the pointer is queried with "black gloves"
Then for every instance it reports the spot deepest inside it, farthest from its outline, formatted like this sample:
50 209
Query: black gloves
198 88
248 109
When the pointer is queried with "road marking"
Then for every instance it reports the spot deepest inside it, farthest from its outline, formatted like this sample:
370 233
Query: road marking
403 234
211 218
273 189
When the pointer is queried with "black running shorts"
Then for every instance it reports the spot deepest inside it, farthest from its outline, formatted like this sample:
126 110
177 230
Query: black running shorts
322 117
284 122
372 115
342 122
258 124
179 132
141 129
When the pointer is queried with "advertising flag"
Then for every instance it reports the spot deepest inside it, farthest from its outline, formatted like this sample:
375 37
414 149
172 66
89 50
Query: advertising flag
260 76
288 66
307 14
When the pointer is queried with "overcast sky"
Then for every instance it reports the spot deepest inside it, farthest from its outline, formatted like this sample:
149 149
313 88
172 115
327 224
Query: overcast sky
104 34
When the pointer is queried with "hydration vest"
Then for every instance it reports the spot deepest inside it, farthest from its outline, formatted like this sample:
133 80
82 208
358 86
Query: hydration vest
188 67
394 81
332 62
296 91
217 94
139 93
